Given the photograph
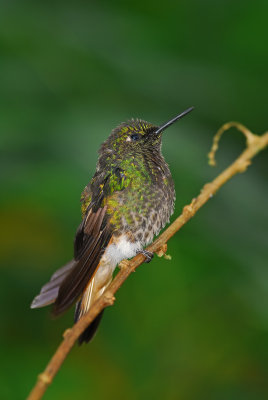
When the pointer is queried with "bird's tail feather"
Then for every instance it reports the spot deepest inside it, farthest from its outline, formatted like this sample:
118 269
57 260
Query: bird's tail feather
89 296
90 331
49 292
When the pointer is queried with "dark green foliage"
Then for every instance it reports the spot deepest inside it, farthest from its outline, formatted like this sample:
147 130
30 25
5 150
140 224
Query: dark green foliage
192 328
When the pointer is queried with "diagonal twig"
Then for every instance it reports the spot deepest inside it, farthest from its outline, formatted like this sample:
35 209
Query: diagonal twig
254 145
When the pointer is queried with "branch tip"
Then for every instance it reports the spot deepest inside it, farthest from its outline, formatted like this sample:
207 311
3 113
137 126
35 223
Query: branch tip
250 137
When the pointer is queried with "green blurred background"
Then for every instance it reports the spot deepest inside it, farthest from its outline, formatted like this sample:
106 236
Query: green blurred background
191 328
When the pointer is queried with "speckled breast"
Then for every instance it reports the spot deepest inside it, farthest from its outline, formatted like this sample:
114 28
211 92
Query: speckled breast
144 211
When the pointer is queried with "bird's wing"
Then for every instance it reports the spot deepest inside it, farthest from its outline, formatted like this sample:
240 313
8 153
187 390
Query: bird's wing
68 282
92 238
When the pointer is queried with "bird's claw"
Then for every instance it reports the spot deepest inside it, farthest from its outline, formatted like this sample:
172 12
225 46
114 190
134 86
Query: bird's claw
148 254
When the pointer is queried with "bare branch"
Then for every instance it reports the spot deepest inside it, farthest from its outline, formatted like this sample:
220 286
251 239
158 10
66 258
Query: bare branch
254 144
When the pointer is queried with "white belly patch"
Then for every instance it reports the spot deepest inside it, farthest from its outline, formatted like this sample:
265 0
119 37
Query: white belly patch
122 248
116 252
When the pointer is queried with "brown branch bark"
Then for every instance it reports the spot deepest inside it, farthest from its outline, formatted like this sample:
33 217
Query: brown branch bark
255 144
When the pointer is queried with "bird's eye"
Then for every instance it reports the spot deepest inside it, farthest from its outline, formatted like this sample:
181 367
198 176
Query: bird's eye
135 137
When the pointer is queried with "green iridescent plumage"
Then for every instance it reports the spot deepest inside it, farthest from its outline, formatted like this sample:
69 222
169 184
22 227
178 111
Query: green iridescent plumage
128 201
133 180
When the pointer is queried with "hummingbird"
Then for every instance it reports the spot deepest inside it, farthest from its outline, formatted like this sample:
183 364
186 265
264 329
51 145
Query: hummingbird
128 201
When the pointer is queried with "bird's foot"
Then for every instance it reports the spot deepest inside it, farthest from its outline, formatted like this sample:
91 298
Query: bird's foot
148 254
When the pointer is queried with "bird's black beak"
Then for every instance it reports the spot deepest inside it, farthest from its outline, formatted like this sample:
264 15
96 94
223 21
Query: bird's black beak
167 124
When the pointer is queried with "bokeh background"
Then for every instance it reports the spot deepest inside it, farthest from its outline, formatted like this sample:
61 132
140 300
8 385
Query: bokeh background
191 328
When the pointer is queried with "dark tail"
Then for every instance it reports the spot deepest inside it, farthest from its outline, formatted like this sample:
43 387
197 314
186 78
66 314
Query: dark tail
90 331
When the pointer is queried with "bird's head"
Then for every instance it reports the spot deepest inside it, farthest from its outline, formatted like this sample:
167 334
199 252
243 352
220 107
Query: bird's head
136 137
